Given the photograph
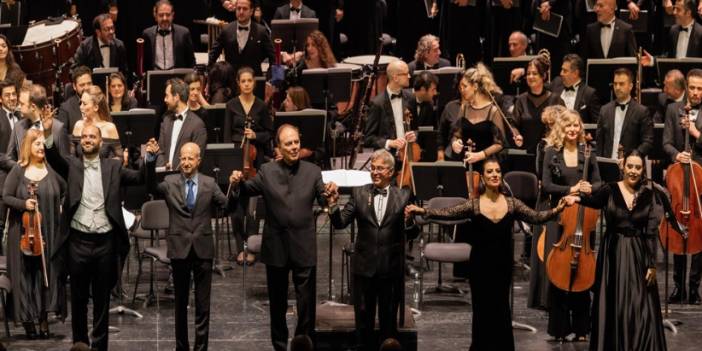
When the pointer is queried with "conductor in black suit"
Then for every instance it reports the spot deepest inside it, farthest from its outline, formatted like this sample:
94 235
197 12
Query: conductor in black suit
167 45
92 229
289 188
102 49
624 121
245 42
294 10
192 198
378 257
179 125
608 37
575 93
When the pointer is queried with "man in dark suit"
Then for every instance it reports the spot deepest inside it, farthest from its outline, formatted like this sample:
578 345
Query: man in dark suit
674 146
102 49
673 91
289 188
428 55
8 118
92 232
686 35
179 126
245 42
191 198
69 111
167 45
378 259
608 37
623 121
422 106
294 10
574 92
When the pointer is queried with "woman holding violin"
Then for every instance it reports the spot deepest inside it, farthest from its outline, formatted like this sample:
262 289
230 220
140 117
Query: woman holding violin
38 283
563 174
626 308
493 214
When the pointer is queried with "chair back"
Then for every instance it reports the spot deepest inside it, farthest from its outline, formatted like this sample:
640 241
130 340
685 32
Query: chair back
442 202
154 215
524 186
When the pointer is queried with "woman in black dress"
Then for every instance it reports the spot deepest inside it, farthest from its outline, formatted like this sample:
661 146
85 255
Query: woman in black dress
32 300
626 310
493 215
196 102
563 167
119 98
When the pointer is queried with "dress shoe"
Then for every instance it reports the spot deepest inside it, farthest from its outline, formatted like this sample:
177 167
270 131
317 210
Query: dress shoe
30 330
44 330
678 296
694 297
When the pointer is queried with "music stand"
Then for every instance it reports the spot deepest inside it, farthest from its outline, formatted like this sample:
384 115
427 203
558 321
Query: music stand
520 160
310 122
156 83
600 73
135 127
609 169
15 34
682 64
502 70
426 137
448 81
260 87
439 179
101 76
214 122
293 33
327 86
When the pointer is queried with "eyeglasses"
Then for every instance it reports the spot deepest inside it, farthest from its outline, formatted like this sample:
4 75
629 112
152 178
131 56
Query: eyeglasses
378 169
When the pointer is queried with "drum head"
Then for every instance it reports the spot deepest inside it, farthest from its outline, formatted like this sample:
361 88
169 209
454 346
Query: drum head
43 33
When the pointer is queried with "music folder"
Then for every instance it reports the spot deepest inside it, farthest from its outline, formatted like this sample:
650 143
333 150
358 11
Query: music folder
293 33
552 27
609 169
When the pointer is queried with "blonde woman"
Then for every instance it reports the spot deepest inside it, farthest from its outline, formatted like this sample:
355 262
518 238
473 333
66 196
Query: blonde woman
93 107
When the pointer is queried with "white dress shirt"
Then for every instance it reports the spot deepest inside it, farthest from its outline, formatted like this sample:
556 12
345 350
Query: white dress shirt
619 116
397 113
569 96
380 203
683 41
606 37
91 217
295 15
10 118
242 36
163 57
175 133
104 52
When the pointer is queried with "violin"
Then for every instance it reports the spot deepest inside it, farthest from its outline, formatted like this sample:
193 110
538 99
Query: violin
472 177
410 153
31 241
249 152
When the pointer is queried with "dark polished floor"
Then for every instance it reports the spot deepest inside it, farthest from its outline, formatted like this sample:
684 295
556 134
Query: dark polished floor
444 323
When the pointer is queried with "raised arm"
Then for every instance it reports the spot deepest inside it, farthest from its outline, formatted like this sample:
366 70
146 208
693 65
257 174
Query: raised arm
525 213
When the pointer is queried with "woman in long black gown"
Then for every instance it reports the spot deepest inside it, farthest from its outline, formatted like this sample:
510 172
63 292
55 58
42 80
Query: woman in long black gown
626 310
493 215
32 301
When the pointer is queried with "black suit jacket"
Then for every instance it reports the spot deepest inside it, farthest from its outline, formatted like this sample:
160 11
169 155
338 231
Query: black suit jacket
637 130
379 245
586 101
88 54
623 41
289 228
380 125
69 113
191 230
258 47
193 130
261 123
183 53
414 65
674 137
5 131
61 140
283 12
114 176
694 45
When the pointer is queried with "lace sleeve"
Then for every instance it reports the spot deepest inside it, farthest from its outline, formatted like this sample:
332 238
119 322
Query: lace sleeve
464 210
525 213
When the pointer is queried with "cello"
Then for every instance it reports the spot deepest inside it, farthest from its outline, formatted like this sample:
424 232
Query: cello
571 263
249 152
31 241
410 153
683 183
472 177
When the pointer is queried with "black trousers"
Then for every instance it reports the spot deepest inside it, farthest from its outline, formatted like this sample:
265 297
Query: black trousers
568 313
305 281
382 292
695 271
201 271
92 264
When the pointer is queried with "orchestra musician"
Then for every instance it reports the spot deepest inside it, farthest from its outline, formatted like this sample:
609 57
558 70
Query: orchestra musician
102 49
69 112
574 92
318 54
9 115
452 112
221 83
297 99
167 45
608 37
492 213
9 69
685 38
95 112
294 10
428 55
674 88
119 98
422 106
196 101
562 175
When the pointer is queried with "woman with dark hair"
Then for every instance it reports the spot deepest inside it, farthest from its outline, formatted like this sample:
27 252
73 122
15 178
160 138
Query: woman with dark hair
9 69
529 105
220 86
493 214
626 310
32 299
119 99
297 99
317 54
196 102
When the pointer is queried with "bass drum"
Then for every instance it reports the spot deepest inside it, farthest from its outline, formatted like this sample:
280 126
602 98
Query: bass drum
47 50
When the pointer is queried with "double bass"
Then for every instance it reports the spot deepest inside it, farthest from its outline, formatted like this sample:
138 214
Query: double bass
410 153
32 241
249 152
571 263
684 182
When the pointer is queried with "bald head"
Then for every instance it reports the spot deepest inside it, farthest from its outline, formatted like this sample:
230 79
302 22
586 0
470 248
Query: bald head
398 75
517 43
396 67
605 10
90 141
190 147
189 159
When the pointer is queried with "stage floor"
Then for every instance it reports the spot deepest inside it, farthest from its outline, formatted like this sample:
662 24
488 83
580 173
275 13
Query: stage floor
444 324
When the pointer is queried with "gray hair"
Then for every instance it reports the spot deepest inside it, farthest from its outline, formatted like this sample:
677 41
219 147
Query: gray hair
385 156
424 46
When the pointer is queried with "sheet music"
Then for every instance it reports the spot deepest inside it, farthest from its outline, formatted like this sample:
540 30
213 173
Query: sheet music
347 177
129 218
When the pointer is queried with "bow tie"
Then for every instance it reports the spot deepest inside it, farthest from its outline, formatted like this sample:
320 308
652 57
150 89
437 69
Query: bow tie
622 106
177 117
243 28
91 163
104 46
378 191
164 32
684 29
395 96
294 9
572 88
605 25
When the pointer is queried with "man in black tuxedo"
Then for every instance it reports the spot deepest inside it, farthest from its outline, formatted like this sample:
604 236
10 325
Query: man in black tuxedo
422 106
289 188
167 45
623 121
102 49
673 91
674 146
8 118
294 10
192 198
92 228
384 127
608 37
69 111
179 125
686 35
377 263
428 55
245 42
574 92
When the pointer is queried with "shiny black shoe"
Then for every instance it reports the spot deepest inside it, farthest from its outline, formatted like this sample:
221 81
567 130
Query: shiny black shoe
678 296
694 297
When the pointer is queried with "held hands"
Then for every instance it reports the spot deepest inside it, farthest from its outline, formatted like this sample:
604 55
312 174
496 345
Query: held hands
30 204
651 276
235 177
581 187
411 210
331 192
566 201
